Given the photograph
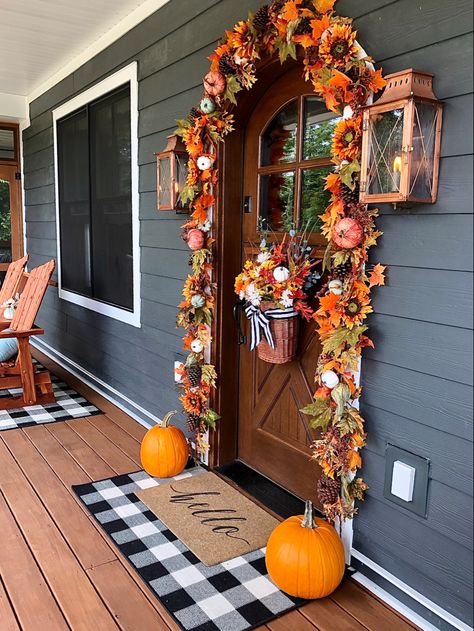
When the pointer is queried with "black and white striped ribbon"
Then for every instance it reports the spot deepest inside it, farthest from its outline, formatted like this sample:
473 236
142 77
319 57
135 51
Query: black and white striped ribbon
260 321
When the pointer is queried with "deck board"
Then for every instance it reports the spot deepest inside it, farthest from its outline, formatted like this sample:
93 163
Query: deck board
58 563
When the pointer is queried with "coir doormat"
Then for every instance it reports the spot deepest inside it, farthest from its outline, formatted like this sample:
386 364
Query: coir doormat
69 405
236 595
211 518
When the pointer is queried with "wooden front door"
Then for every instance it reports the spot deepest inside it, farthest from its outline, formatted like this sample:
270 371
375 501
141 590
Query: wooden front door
287 144
11 223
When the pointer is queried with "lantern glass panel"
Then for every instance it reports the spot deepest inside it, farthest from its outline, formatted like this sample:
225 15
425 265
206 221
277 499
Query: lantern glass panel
424 134
385 152
181 175
164 179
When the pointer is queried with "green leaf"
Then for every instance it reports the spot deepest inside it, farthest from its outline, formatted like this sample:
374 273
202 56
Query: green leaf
347 171
320 412
285 50
341 336
232 88
340 395
327 258
210 419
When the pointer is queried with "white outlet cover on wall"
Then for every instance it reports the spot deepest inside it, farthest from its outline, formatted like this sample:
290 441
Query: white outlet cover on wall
403 480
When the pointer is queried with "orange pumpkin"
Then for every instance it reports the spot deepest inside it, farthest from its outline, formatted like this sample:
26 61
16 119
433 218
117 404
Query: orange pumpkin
214 83
195 239
348 233
305 556
164 450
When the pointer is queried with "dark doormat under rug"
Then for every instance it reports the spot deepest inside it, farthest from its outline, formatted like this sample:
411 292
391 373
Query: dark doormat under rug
235 595
69 405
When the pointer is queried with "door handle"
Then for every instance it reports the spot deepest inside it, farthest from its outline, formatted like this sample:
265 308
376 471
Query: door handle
238 307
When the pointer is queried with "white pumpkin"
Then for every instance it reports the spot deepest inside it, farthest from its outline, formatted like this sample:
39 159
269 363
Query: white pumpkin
204 163
329 379
197 346
281 274
335 287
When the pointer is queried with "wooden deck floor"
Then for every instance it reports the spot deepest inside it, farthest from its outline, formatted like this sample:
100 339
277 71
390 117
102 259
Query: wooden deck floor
57 569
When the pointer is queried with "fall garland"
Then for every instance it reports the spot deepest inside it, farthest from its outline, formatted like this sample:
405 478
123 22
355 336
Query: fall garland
344 78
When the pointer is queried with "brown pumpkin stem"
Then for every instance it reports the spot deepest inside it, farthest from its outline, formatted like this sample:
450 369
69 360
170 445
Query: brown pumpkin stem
166 421
308 519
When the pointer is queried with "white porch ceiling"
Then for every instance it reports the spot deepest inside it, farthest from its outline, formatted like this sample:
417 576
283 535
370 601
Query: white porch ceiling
38 38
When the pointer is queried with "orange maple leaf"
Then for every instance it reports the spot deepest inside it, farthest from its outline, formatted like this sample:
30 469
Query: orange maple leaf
324 6
339 79
377 275
376 82
305 40
290 12
333 182
327 303
319 26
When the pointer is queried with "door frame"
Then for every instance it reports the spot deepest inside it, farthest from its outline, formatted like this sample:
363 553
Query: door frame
16 195
228 224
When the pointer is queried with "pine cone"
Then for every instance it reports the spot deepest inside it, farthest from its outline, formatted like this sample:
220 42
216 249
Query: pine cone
194 113
360 214
348 195
329 490
261 17
193 423
227 65
304 27
194 374
312 54
342 270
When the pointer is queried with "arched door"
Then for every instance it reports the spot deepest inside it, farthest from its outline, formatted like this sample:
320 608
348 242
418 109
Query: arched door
287 149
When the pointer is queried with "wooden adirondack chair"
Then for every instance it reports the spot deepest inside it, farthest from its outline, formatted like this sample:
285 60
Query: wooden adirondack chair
12 280
36 386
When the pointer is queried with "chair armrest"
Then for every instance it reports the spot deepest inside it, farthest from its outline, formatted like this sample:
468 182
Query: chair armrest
34 331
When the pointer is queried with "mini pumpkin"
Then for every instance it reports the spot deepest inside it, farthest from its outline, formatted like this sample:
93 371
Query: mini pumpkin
204 163
195 239
348 233
207 105
198 301
164 450
335 287
214 83
330 379
305 556
197 346
281 274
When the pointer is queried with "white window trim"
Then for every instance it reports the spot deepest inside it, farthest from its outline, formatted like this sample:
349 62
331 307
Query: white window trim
120 78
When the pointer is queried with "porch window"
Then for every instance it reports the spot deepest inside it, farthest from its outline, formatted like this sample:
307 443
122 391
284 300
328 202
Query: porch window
97 220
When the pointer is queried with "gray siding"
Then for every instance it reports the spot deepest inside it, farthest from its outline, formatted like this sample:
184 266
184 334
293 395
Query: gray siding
418 381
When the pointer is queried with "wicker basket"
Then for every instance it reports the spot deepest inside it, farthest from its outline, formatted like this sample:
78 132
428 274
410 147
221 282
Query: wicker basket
285 337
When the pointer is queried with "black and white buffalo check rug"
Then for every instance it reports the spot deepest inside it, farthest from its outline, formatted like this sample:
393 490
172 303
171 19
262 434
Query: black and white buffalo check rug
236 595
69 405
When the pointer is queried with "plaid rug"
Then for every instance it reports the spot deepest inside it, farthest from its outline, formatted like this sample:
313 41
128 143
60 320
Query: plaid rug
69 405
232 596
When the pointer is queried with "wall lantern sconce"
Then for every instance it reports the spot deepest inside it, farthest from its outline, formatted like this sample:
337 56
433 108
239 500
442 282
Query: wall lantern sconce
401 142
171 173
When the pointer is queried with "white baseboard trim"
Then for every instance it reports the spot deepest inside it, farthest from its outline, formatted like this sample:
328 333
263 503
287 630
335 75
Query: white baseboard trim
394 602
138 413
412 593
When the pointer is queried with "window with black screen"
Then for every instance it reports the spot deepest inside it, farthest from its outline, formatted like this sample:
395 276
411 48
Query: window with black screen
95 200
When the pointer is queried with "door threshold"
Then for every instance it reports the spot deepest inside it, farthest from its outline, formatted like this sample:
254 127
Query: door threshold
268 493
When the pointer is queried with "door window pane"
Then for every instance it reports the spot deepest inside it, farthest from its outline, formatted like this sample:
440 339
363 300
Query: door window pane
314 199
319 127
277 197
279 141
7 144
5 223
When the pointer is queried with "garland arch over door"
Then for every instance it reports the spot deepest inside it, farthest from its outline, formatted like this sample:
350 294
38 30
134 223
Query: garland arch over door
343 76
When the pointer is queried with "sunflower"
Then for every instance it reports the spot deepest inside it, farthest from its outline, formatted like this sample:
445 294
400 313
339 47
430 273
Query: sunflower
347 139
338 45
356 307
193 402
